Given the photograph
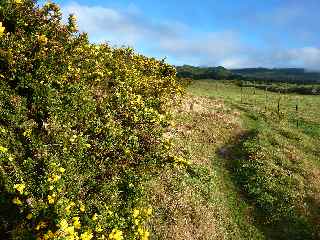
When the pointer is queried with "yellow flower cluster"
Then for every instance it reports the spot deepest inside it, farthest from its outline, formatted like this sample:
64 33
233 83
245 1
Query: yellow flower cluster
27 133
41 225
73 138
148 211
17 201
138 216
181 160
136 213
116 235
76 222
99 229
51 198
65 230
73 23
95 217
49 235
68 207
19 187
82 207
42 39
54 178
86 236
17 1
1 29
3 149
73 17
144 234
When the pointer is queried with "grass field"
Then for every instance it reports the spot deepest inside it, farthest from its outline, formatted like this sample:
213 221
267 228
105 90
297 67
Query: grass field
254 171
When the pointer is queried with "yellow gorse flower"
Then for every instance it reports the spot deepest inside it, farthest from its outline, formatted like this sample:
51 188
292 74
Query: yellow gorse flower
73 17
54 178
145 236
136 213
70 230
1 31
95 217
17 1
102 237
42 39
68 207
48 235
86 236
116 235
99 229
19 187
82 207
51 198
76 222
148 211
41 225
63 224
136 221
2 149
17 201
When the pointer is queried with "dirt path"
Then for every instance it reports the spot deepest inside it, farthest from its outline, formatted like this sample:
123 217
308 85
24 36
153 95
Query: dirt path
200 202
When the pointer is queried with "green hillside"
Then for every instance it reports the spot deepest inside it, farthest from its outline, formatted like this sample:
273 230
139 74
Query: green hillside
291 75
263 75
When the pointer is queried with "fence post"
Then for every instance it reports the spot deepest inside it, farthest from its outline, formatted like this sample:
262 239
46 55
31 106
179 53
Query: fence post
279 105
254 93
241 92
266 100
297 112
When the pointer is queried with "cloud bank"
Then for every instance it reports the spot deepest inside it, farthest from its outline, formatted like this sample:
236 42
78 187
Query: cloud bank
183 45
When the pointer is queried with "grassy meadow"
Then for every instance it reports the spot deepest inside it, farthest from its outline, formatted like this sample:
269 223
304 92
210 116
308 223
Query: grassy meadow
254 167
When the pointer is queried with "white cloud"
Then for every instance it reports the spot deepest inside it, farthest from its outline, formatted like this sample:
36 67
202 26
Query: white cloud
308 57
125 27
182 44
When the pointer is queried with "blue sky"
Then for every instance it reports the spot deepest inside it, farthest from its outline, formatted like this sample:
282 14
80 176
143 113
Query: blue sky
231 33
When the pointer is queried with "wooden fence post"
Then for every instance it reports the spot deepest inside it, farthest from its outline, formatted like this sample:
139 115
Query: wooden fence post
279 105
254 93
266 98
297 112
241 94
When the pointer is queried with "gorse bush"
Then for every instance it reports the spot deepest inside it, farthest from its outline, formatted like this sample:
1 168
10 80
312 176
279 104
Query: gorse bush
81 125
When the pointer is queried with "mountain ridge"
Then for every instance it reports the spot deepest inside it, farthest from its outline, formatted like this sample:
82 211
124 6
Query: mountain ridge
294 75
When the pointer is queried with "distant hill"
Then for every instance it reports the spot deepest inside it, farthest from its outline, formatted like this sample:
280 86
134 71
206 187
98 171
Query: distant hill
187 71
293 75
297 75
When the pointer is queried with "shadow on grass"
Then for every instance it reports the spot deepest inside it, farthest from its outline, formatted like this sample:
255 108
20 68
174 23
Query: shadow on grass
274 215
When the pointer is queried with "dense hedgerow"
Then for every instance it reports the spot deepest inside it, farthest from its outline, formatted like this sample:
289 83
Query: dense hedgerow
80 126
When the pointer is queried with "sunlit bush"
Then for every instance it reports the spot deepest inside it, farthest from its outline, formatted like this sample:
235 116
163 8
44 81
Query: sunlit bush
81 125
